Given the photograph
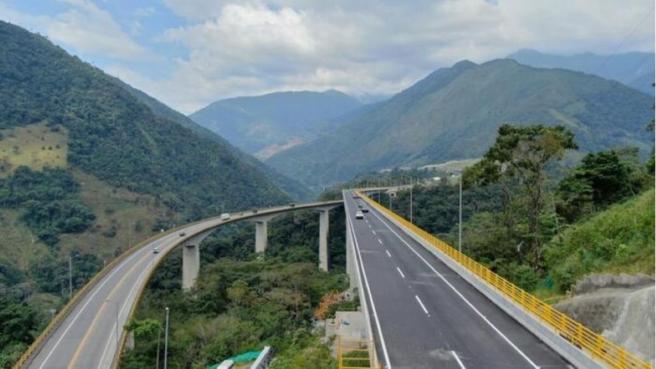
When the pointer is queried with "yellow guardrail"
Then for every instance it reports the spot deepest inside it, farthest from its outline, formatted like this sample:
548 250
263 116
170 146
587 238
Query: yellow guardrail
596 345
355 354
59 318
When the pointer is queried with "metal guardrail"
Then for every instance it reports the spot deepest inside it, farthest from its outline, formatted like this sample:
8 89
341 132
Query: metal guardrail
598 346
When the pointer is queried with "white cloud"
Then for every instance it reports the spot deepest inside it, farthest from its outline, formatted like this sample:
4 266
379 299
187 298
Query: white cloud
85 28
364 46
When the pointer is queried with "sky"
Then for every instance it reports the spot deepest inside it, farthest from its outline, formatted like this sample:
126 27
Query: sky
189 53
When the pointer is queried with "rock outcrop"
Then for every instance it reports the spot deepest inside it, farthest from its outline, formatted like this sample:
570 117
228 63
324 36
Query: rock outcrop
621 307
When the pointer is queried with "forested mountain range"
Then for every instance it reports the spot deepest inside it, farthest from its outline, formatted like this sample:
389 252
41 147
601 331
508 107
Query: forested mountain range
454 113
267 124
634 69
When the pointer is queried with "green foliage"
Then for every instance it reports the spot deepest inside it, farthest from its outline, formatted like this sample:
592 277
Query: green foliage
50 202
601 179
523 153
18 321
618 239
118 138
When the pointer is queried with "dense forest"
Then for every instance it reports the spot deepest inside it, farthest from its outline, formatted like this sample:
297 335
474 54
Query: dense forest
540 229
118 138
244 301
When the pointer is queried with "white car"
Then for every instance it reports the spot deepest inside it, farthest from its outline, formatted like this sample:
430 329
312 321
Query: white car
225 216
359 215
156 250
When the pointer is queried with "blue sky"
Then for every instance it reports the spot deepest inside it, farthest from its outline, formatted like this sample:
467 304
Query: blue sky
189 53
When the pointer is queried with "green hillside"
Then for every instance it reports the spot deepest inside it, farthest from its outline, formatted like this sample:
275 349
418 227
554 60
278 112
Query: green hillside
617 240
116 137
262 125
454 113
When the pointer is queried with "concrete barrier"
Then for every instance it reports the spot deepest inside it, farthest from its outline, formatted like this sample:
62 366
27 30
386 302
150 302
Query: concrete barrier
551 338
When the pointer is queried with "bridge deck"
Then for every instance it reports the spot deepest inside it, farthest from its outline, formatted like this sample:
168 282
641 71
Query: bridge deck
429 317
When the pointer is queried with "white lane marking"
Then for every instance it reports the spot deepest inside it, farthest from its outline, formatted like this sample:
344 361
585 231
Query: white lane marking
380 242
422 305
462 366
374 231
483 317
93 295
371 300
114 331
400 272
388 254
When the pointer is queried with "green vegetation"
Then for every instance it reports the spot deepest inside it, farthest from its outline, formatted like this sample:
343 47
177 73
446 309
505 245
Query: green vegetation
455 112
242 301
51 202
119 139
617 240
543 233
36 146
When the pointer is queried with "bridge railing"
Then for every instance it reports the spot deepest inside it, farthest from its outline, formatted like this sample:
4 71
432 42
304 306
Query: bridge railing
355 354
598 346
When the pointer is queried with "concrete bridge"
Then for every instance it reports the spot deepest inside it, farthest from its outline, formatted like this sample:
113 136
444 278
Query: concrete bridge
88 332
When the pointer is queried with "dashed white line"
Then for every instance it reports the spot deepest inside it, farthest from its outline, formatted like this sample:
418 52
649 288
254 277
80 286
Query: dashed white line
400 272
462 366
374 231
380 242
388 254
422 305
483 317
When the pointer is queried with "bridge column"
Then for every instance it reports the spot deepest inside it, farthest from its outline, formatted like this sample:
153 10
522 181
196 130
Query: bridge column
261 232
191 260
324 223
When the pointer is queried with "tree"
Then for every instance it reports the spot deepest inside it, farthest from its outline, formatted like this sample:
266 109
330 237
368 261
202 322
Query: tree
523 153
601 179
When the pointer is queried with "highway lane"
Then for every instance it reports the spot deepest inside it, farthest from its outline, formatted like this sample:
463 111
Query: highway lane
89 336
429 317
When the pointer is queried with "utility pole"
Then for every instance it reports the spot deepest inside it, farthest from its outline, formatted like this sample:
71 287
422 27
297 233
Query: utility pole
159 339
460 214
70 276
410 200
166 338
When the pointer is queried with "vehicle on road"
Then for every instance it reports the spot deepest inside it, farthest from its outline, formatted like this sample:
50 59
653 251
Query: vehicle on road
225 216
365 210
292 205
182 234
156 250
359 215
254 211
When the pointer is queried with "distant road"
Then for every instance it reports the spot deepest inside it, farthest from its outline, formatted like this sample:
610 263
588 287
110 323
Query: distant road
425 316
88 337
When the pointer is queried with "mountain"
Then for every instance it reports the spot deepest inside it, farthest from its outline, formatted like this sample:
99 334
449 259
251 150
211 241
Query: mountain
291 187
454 113
635 69
119 139
267 124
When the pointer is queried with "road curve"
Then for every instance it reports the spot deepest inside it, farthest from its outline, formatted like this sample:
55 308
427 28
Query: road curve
426 316
90 335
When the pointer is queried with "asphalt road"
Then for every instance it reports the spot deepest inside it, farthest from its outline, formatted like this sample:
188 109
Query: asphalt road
89 335
426 316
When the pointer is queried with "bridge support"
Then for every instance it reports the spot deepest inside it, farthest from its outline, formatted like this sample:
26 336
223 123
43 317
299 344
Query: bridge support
191 260
351 270
324 223
261 233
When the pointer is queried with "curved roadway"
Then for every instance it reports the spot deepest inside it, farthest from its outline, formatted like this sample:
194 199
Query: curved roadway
89 337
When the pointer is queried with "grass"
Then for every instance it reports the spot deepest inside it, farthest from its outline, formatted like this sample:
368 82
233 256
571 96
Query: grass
617 240
36 146
123 218
18 245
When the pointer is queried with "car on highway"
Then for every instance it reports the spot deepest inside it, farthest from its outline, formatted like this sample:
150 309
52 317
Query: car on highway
365 210
359 215
225 216
292 205
156 250
182 234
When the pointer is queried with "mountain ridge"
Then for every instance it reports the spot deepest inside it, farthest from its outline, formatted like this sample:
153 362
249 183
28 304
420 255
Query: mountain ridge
454 112
264 123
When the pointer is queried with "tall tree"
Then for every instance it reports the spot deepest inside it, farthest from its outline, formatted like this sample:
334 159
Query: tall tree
522 153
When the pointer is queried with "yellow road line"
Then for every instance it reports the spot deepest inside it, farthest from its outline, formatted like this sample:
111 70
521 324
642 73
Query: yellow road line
76 355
